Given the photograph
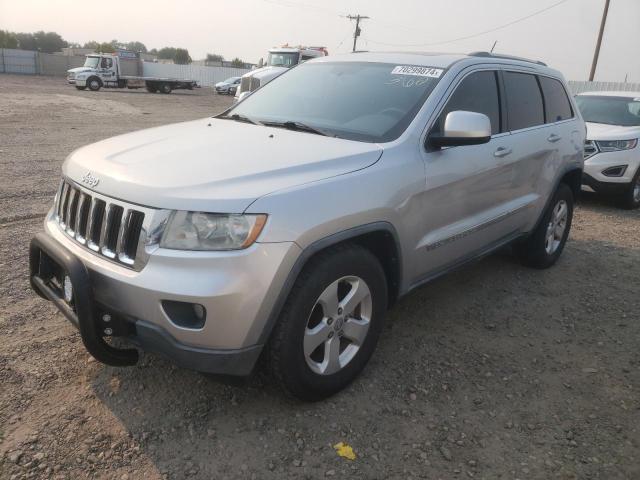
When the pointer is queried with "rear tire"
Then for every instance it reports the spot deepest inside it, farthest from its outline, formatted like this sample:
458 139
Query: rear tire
631 198
318 345
165 88
544 246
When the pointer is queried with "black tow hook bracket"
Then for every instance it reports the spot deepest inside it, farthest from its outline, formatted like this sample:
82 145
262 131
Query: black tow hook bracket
43 252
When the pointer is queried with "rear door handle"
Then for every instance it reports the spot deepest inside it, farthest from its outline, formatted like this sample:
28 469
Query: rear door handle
554 138
502 152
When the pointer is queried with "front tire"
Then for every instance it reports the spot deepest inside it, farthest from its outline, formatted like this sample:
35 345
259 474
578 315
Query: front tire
544 246
631 198
165 88
94 84
330 323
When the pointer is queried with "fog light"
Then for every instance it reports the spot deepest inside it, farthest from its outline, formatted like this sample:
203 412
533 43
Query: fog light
68 289
617 171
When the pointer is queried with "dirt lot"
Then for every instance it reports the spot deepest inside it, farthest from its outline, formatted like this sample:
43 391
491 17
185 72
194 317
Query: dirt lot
496 371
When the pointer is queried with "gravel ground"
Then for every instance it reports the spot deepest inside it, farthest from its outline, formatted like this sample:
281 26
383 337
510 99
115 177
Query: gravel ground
495 371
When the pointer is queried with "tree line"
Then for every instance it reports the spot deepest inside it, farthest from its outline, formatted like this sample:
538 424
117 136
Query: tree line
50 42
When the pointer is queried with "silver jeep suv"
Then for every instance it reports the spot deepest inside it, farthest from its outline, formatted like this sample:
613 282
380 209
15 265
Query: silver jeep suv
288 224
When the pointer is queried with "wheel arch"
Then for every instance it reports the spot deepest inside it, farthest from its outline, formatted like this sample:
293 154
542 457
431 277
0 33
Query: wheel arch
380 238
573 179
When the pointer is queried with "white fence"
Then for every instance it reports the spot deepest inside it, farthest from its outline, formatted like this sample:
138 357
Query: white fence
579 87
18 61
36 63
205 76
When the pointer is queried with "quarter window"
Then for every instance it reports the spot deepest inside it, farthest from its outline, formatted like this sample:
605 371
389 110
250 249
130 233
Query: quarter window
476 93
556 103
524 100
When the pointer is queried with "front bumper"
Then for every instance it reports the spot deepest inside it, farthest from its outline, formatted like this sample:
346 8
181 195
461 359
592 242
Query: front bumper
238 290
605 188
596 164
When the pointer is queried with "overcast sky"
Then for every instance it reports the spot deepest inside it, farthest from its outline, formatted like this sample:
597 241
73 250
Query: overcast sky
563 36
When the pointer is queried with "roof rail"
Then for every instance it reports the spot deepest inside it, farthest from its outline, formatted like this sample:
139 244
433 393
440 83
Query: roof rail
507 57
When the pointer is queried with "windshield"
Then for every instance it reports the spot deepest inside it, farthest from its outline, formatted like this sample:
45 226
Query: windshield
623 111
283 59
371 102
92 62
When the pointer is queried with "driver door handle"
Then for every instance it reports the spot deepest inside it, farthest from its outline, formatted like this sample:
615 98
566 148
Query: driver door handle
554 138
502 152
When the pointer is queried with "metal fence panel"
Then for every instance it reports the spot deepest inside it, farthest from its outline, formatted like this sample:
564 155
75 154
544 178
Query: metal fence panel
18 61
205 76
580 86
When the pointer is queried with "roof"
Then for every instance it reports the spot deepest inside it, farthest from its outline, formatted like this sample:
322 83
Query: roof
619 93
434 59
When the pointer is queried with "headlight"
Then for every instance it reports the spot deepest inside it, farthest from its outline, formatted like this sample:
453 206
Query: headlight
615 145
211 231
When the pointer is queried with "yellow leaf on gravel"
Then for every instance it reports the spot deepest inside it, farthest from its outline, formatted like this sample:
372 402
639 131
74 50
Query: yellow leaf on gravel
345 451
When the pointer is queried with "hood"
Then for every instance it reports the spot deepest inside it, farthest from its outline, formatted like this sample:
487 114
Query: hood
222 84
80 70
212 165
602 131
266 73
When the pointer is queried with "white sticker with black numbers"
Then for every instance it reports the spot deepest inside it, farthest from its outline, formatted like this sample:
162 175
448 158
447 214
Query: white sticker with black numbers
418 71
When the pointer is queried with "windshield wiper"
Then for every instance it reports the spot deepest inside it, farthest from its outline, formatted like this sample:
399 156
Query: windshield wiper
299 127
240 118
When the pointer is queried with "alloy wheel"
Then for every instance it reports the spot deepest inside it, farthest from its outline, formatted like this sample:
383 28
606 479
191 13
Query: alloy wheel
556 227
337 325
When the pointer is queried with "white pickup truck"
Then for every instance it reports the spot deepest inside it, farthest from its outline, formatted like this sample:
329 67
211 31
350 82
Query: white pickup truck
280 59
121 70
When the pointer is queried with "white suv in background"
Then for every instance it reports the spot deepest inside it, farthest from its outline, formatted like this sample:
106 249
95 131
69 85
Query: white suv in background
612 156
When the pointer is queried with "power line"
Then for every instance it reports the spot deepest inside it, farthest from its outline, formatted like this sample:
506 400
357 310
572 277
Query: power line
357 31
467 37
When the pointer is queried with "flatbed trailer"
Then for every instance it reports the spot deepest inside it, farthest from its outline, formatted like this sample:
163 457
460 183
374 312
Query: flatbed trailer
107 71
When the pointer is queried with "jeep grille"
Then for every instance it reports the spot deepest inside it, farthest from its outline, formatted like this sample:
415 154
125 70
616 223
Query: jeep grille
109 228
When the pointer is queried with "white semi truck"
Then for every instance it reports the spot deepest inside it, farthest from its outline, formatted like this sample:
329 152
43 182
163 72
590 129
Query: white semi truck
280 60
121 70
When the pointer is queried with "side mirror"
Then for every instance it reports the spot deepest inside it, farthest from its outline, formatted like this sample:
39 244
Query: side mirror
243 95
463 128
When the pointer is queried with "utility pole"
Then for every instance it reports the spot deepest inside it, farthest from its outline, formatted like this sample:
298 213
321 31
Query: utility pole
596 54
356 34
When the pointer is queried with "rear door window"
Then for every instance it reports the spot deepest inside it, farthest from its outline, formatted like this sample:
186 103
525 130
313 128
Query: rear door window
524 100
478 93
556 103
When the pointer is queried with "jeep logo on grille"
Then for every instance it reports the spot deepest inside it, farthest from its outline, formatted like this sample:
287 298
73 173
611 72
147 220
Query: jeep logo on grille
90 180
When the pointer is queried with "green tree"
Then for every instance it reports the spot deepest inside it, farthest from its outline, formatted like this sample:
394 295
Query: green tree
92 44
48 42
106 47
8 40
167 53
236 62
135 46
182 56
214 57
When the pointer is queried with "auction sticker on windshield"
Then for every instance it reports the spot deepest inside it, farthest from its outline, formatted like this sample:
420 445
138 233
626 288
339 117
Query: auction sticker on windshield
419 71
